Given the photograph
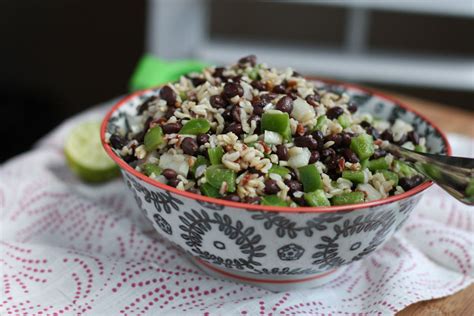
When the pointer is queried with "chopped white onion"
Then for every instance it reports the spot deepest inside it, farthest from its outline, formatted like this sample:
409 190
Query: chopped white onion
299 157
272 138
302 111
370 191
176 162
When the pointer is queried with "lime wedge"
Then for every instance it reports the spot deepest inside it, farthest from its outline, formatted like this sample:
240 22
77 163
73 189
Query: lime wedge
85 155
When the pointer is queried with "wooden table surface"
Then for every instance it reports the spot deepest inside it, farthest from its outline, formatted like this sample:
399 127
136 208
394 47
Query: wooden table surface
454 120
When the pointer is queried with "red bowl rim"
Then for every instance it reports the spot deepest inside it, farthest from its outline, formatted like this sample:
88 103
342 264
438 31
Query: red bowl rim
254 207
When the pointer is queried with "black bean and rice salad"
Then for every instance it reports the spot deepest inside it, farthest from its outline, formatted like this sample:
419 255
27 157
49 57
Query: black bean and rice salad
250 133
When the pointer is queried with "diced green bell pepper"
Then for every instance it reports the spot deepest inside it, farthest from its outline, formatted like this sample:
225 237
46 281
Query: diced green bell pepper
278 122
344 120
310 177
200 160
215 155
273 200
216 175
348 198
403 169
363 146
378 164
320 122
150 168
389 176
470 188
279 170
195 127
316 198
354 176
364 163
209 190
420 148
153 138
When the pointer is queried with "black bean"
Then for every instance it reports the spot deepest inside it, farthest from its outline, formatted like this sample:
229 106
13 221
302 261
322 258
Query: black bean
306 141
292 95
285 104
173 182
236 78
331 162
319 136
350 156
197 81
258 110
410 183
145 105
336 138
218 72
202 139
129 159
413 137
352 107
345 139
227 114
268 97
373 131
271 187
314 156
282 152
140 136
169 112
217 101
387 135
313 99
334 112
259 85
329 152
171 128
250 59
235 128
379 153
296 74
168 94
189 146
333 174
117 141
300 201
231 89
252 199
365 124
293 186
236 114
402 140
257 119
279 89
232 197
169 174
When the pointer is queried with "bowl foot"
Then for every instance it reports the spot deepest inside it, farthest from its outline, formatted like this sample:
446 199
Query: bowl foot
274 283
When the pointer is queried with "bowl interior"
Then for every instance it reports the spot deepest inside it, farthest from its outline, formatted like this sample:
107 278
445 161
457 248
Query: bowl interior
122 116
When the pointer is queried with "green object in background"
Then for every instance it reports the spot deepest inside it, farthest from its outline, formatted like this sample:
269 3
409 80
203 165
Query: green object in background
152 71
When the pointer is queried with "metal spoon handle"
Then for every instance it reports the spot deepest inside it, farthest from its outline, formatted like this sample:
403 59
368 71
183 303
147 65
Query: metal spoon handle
454 174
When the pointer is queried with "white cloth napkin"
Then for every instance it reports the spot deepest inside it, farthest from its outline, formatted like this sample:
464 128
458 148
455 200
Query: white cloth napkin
69 248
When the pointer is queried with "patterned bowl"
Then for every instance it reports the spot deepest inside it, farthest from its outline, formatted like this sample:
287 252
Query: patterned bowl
278 248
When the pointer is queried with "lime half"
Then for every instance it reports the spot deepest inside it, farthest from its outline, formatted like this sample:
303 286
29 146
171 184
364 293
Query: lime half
85 155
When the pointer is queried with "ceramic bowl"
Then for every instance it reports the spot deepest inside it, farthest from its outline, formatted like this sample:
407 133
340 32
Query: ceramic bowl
278 248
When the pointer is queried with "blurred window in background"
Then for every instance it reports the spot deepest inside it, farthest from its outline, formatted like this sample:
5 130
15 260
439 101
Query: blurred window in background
421 47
